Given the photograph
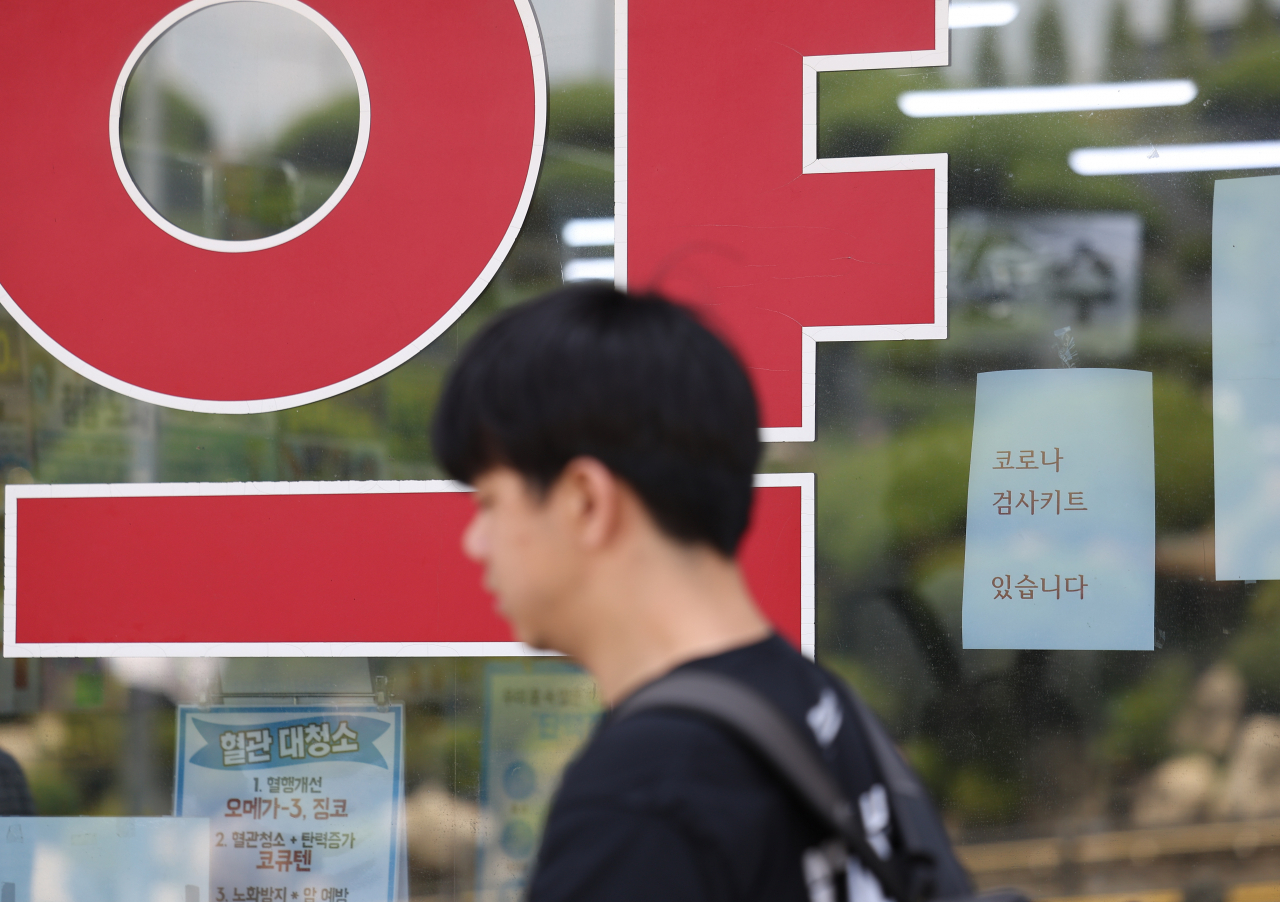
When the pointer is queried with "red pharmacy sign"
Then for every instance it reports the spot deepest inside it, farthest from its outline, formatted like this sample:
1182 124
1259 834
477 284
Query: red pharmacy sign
301 568
453 112
722 201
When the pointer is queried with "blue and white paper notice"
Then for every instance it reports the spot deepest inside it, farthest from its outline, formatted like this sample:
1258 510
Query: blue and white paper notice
537 715
1246 373
104 859
304 803
1060 551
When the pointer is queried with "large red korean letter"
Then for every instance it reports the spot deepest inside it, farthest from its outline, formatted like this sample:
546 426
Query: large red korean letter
721 200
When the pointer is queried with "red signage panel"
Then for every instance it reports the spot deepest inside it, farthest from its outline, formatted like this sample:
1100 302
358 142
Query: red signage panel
722 200
453 120
341 568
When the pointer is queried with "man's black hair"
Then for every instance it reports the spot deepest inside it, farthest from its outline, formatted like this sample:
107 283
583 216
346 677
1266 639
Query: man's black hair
636 382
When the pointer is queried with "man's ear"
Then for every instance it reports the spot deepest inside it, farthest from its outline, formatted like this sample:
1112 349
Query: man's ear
594 499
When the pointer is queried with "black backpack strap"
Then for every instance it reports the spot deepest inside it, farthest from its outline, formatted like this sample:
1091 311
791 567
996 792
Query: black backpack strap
935 869
762 727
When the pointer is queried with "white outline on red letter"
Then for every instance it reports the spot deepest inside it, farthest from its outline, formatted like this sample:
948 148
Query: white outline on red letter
810 164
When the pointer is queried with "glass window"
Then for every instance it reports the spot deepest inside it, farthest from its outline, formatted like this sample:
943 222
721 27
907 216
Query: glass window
1080 236
240 121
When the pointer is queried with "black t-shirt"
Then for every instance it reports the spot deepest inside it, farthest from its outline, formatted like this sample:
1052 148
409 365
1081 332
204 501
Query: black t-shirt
15 796
667 806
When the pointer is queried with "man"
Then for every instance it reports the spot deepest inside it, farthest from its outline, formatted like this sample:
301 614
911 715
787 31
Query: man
612 443
15 795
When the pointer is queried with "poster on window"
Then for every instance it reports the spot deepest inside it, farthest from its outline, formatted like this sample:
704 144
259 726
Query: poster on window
1015 279
537 716
1060 547
1246 371
103 859
304 801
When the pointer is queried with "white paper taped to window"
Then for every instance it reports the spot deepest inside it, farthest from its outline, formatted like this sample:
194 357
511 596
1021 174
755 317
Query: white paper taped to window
104 859
311 794
1246 377
1060 549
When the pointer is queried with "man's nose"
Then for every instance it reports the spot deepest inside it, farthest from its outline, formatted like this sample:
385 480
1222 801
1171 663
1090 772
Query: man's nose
473 544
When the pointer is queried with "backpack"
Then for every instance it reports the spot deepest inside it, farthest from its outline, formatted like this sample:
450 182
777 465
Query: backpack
933 871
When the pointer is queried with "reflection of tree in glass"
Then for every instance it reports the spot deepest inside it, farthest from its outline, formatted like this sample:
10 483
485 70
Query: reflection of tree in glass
183 126
166 140
169 151
323 140
319 146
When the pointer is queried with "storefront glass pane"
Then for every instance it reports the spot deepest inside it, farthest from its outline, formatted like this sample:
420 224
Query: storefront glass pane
239 121
1150 774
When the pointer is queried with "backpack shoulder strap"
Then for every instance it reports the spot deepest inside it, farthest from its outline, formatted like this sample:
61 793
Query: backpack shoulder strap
762 727
923 837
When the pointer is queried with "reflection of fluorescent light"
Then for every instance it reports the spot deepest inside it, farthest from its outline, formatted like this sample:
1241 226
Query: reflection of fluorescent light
1175 158
588 269
1056 99
982 15
588 232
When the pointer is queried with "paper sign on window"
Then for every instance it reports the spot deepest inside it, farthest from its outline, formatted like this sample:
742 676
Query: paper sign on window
104 859
536 719
1246 373
304 802
1060 551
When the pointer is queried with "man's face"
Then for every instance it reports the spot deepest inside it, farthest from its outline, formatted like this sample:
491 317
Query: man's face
520 538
